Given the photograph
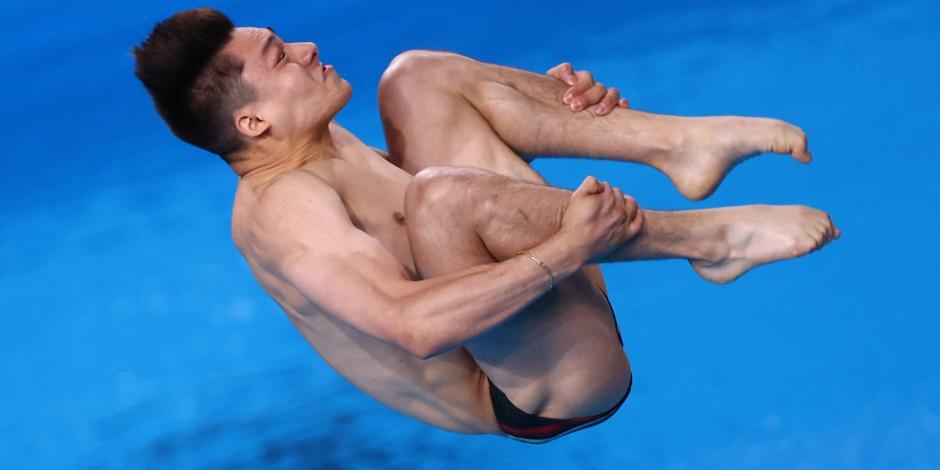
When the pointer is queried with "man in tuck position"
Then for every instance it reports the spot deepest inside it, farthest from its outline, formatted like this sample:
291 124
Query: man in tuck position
446 279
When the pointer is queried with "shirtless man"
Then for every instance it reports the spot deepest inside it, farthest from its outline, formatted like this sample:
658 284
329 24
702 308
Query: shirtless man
413 287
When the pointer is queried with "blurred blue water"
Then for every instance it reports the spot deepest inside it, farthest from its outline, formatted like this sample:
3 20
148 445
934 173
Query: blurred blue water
135 335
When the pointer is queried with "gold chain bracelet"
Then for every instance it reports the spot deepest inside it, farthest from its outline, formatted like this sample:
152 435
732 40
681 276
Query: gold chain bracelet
548 271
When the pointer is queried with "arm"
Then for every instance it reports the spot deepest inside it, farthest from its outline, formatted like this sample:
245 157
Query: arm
308 237
381 152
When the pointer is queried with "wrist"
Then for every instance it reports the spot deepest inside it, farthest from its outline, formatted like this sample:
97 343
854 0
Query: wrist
561 255
538 260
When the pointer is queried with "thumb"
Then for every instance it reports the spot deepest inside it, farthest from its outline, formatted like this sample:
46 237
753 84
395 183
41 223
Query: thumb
589 186
567 74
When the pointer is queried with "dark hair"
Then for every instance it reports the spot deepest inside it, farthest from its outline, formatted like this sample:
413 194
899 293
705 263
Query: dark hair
194 87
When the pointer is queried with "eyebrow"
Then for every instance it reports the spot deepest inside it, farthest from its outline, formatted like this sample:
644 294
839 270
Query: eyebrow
268 41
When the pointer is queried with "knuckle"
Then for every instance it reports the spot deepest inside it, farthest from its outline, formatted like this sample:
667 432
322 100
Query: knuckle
630 202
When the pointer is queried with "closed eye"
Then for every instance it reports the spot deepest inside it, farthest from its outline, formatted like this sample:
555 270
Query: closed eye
281 57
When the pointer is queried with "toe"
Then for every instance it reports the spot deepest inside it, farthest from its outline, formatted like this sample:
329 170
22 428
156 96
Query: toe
802 155
803 245
825 233
800 146
832 228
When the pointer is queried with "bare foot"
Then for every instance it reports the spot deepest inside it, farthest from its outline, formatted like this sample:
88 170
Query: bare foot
712 146
759 234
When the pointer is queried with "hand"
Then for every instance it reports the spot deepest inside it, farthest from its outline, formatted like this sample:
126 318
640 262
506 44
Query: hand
584 93
599 218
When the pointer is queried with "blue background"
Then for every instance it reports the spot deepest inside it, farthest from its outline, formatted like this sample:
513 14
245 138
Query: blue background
134 335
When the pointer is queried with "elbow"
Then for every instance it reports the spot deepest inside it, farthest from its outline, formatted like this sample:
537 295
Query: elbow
414 337
425 351
421 344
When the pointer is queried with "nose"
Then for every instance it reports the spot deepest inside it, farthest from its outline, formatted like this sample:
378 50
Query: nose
310 53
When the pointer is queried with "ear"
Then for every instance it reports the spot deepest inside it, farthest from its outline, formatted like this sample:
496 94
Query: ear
249 123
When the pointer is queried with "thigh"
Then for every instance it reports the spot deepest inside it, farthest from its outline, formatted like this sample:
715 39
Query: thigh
563 350
428 123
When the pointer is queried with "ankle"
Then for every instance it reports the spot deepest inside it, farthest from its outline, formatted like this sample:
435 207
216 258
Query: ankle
670 141
715 245
671 136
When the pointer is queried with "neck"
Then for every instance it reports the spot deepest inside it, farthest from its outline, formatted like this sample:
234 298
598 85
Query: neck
264 161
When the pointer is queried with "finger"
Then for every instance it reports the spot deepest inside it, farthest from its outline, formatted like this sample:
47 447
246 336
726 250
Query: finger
564 72
632 207
585 80
619 203
589 98
623 103
589 186
637 220
607 198
610 196
608 102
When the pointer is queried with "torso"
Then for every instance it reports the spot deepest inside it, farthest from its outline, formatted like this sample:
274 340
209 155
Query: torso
441 390
446 390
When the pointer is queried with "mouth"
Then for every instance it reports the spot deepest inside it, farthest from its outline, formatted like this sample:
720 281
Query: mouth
326 69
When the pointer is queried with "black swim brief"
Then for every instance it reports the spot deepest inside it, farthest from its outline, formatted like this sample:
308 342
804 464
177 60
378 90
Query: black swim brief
526 427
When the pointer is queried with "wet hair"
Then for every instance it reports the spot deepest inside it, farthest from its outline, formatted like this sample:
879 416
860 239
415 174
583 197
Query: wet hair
195 87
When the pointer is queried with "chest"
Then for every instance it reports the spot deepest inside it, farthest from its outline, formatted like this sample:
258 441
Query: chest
375 204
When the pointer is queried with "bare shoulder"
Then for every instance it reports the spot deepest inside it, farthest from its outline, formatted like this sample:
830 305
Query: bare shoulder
295 189
295 212
343 137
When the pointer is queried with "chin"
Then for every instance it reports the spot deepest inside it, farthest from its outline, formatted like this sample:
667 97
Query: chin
346 91
341 98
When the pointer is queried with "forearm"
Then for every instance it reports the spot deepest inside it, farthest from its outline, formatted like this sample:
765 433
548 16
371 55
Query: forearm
453 309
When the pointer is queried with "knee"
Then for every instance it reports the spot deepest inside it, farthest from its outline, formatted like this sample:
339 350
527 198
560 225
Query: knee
461 196
415 70
436 189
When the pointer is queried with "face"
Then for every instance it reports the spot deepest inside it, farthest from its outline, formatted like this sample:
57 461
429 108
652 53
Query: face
296 94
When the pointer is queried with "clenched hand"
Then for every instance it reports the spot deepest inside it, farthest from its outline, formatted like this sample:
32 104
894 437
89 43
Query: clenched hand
599 218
